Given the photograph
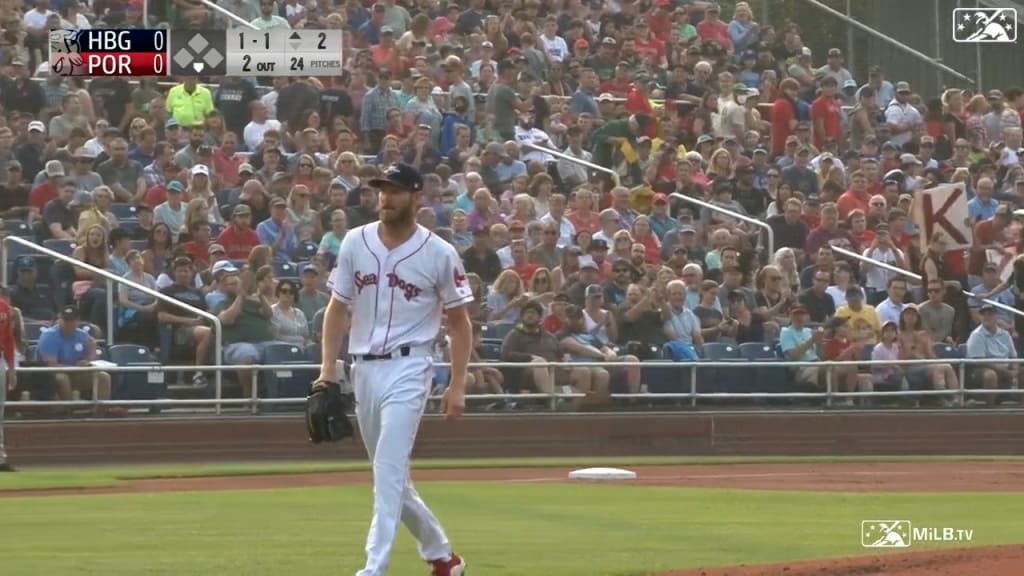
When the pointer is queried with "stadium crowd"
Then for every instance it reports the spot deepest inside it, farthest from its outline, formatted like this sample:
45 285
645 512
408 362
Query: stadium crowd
233 196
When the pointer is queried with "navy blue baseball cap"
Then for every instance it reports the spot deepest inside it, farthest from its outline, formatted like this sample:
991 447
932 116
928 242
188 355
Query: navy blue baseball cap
25 263
401 175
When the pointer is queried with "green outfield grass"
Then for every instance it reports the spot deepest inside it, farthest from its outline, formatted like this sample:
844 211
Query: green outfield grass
503 529
101 476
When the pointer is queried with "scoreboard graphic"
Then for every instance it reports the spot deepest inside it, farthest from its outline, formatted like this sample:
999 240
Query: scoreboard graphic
236 52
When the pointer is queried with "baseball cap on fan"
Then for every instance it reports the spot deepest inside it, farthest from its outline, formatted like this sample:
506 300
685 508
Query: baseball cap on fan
402 176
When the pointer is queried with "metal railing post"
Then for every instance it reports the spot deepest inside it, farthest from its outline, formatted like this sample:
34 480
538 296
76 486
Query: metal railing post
828 387
110 311
693 384
111 277
743 217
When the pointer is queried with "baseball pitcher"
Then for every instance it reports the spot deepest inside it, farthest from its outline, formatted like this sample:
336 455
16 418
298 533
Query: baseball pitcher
393 281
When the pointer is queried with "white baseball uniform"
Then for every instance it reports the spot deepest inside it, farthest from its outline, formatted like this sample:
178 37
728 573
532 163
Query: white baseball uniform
397 298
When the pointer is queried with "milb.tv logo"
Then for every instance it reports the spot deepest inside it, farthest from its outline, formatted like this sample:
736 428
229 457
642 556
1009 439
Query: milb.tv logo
902 534
997 25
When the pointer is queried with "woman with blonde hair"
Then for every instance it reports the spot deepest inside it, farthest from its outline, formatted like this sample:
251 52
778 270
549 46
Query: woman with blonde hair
89 289
622 244
506 298
522 209
98 213
301 216
774 296
195 211
345 169
201 186
720 166
785 261
976 109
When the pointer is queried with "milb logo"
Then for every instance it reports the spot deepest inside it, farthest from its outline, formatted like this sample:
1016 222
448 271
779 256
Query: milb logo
902 534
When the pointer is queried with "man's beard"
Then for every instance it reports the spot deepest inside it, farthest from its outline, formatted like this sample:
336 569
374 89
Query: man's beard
400 217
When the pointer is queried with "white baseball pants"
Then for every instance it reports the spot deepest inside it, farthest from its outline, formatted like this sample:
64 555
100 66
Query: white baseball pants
391 396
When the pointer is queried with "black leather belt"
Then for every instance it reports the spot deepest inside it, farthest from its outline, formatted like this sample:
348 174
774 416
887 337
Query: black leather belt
400 353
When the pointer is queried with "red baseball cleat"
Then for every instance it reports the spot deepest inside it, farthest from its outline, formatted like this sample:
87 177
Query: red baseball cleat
454 566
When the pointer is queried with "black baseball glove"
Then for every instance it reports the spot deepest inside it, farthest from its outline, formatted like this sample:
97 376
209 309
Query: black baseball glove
327 413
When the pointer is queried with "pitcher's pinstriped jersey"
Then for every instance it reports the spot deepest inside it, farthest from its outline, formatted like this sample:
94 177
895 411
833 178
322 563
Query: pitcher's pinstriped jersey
396 297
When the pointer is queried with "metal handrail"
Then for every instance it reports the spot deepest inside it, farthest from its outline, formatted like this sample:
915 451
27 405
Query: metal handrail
568 158
891 41
919 278
582 364
111 277
227 13
754 221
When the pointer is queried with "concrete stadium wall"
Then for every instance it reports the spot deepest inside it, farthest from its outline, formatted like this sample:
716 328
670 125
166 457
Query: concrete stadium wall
210 440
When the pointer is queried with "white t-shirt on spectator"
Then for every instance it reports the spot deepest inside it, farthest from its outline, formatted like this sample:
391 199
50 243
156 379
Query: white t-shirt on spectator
556 48
897 113
253 133
34 19
878 278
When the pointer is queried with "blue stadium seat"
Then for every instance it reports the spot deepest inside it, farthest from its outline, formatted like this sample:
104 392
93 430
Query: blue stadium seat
16 227
720 379
763 379
947 351
305 251
139 245
33 330
215 230
285 270
963 350
286 383
148 385
124 211
65 247
497 330
129 226
489 349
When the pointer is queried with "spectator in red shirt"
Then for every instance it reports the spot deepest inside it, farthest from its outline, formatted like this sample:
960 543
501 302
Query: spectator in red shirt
648 47
521 264
856 198
239 238
784 114
826 112
47 190
199 247
660 22
712 29
621 83
840 348
554 323
225 163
